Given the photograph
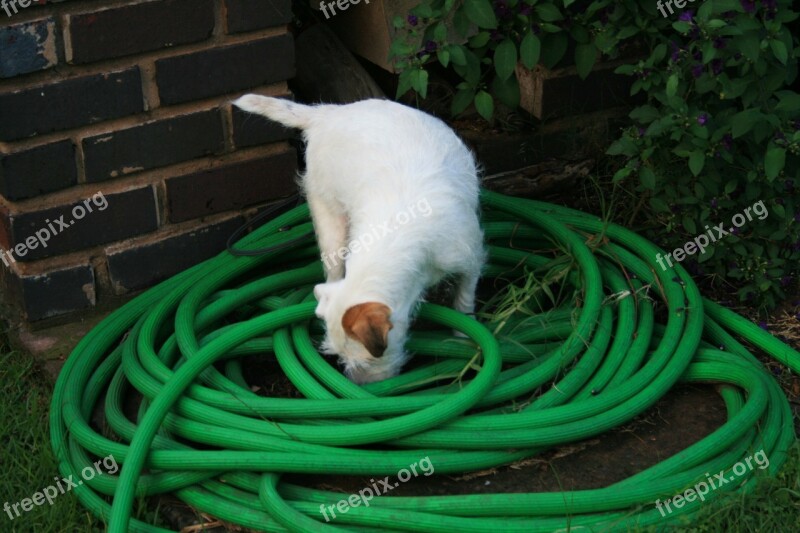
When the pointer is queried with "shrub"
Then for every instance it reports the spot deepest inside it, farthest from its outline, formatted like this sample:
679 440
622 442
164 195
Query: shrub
720 129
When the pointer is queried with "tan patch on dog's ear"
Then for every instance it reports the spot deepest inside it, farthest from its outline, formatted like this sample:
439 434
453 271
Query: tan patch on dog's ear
368 323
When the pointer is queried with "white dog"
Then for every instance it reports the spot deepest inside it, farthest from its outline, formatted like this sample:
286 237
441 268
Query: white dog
368 163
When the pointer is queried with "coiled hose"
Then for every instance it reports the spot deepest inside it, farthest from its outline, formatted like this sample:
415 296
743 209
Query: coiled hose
603 358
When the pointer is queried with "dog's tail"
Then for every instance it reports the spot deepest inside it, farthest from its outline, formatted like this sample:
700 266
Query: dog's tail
280 110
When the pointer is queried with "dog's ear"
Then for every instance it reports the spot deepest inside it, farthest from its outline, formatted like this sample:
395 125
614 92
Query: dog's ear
369 324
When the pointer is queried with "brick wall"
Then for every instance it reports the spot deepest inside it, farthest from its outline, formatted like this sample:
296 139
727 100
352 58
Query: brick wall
127 103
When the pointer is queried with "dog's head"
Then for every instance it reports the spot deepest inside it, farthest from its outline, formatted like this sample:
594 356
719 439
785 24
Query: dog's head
359 334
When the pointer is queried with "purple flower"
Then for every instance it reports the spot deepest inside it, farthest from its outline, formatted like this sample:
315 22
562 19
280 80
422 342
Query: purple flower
697 70
641 131
788 185
797 217
676 51
763 325
713 203
717 66
748 5
727 141
786 281
525 10
496 35
720 43
501 8
702 118
430 47
686 16
698 55
412 19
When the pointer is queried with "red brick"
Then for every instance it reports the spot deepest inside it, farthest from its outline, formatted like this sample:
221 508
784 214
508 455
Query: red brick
105 33
225 70
128 214
70 103
36 171
152 145
232 186
144 265
248 15
53 293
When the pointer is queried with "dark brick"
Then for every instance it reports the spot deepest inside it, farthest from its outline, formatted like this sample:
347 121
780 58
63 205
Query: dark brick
225 69
248 15
127 214
143 266
231 186
70 103
252 130
27 47
37 171
57 292
153 145
137 28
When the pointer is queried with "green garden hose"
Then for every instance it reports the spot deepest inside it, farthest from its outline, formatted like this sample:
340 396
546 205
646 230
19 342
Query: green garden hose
627 333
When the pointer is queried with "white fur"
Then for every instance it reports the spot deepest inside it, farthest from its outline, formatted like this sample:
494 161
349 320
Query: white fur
367 162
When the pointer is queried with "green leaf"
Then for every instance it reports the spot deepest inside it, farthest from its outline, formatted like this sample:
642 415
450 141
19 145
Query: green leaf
398 22
789 101
750 45
505 59
585 56
484 105
507 91
779 49
659 205
479 39
697 161
440 32
481 13
529 50
647 177
461 100
419 81
403 83
444 57
774 161
461 21
672 85
549 12
645 114
689 224
554 48
744 121
457 54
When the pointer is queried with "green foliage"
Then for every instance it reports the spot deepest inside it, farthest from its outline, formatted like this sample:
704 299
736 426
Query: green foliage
720 129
